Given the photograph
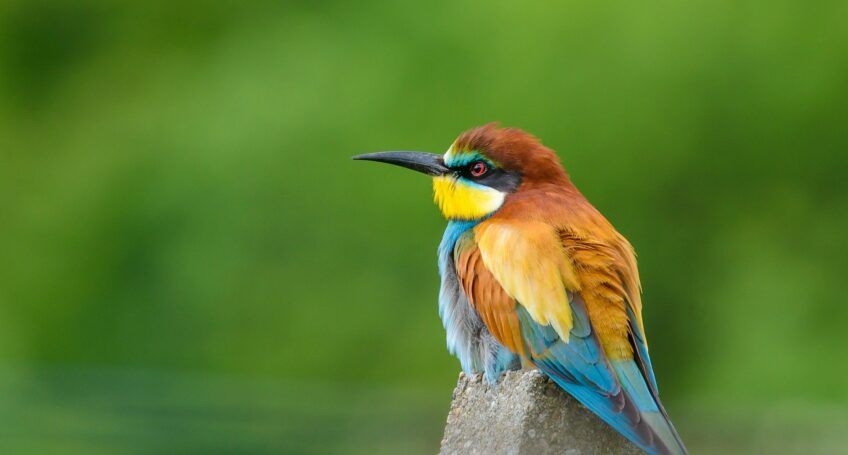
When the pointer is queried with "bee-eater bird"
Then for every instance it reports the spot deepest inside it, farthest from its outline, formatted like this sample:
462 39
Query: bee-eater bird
533 275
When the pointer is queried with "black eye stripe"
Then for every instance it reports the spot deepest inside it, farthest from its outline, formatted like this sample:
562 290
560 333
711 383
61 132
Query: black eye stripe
500 180
494 177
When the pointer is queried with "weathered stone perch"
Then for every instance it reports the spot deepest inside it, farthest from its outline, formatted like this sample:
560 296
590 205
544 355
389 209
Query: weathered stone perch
525 414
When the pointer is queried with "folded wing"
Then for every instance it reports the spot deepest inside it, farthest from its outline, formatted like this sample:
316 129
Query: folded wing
552 297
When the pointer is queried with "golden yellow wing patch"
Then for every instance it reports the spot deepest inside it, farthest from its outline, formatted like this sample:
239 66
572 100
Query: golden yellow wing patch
528 260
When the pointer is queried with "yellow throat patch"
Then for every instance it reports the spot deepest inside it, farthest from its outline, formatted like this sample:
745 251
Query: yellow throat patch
462 200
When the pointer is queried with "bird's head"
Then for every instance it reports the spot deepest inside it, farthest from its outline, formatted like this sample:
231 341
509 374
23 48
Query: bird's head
481 169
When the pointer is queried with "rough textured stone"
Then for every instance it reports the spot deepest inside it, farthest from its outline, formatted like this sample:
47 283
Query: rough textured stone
525 413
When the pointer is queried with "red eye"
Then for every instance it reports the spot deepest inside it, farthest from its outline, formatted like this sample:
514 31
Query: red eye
478 169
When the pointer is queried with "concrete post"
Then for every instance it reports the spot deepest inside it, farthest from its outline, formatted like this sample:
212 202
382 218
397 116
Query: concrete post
525 414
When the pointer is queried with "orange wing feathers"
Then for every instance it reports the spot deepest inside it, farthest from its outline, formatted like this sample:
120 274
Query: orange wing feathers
495 307
603 291
551 227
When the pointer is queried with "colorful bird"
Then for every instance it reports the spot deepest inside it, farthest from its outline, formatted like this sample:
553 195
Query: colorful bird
533 275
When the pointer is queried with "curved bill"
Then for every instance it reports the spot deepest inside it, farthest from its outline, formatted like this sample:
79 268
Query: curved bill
428 163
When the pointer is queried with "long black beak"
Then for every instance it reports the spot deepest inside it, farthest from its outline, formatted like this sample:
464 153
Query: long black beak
428 163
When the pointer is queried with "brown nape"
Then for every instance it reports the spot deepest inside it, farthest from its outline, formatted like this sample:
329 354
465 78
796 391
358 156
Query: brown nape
515 150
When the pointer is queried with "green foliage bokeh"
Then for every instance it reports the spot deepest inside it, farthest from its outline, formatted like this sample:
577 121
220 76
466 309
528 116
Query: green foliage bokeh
177 199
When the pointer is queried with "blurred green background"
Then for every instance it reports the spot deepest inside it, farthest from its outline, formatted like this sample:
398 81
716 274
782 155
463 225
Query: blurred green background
192 263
